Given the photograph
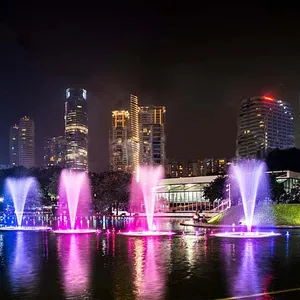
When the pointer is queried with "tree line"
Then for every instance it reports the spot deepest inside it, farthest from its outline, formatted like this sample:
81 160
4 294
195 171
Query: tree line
108 189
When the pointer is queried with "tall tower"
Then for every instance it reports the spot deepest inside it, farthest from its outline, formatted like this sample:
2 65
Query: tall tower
55 152
152 135
135 138
264 124
118 141
14 145
76 129
26 142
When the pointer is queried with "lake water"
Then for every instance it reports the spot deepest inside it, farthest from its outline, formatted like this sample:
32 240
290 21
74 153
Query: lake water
112 266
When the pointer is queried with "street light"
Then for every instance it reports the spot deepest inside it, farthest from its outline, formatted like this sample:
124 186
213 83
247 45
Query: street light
1 199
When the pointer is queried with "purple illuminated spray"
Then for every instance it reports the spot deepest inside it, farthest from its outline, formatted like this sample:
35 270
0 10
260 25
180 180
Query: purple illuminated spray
74 187
19 188
149 177
249 174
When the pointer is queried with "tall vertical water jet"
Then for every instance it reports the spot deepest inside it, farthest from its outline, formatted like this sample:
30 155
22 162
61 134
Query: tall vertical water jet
74 195
19 189
249 174
142 196
149 177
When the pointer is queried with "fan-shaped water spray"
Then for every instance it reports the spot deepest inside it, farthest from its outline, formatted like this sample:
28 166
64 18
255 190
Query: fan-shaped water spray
18 189
74 191
249 174
142 196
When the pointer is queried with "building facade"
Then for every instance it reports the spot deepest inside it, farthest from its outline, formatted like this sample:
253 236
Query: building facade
152 135
26 142
76 129
14 145
194 168
134 135
119 143
264 124
55 152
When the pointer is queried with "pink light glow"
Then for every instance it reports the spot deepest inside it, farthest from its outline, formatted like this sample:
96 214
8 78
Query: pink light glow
74 189
149 276
149 177
76 271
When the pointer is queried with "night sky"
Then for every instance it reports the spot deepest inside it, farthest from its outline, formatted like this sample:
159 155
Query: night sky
199 63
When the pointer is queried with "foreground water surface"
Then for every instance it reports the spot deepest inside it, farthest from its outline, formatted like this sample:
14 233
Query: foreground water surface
112 266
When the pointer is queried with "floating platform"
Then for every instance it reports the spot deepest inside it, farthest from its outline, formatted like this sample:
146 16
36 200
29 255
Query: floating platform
147 233
245 235
74 231
25 228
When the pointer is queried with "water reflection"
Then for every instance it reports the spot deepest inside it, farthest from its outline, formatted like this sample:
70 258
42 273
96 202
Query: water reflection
24 266
245 275
1 250
74 254
150 263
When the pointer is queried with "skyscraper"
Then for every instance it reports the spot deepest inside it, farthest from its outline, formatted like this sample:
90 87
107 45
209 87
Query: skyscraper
55 151
76 129
135 135
264 124
26 142
119 141
14 145
152 135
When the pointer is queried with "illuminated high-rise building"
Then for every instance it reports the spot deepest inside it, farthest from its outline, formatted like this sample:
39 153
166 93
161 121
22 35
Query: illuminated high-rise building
152 135
55 152
135 134
76 129
14 145
119 147
26 142
264 124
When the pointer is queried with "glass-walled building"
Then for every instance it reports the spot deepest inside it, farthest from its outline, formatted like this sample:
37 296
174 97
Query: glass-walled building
183 194
76 129
264 124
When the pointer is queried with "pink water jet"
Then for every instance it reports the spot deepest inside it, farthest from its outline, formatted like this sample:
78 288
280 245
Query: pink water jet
74 194
149 177
142 198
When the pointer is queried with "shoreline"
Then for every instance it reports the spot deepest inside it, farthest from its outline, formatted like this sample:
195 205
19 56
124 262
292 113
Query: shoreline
212 226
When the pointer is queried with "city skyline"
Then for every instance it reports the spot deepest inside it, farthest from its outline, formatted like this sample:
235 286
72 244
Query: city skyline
201 72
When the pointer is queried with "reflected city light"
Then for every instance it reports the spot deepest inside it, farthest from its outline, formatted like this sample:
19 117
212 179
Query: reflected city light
74 253
149 269
244 276
24 266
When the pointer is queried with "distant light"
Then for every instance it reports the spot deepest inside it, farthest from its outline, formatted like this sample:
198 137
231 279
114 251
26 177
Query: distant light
1 199
268 98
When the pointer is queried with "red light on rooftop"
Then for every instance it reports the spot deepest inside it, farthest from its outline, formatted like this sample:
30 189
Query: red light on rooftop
268 98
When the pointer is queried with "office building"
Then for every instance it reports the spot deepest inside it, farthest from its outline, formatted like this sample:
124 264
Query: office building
14 145
152 135
175 169
26 142
264 124
55 152
76 129
119 143
134 135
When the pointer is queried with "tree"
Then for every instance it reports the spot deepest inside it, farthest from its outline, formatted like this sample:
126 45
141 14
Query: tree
277 190
215 189
110 190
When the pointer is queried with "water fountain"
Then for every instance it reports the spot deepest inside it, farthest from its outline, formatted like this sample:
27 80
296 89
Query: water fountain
149 177
74 197
19 190
250 175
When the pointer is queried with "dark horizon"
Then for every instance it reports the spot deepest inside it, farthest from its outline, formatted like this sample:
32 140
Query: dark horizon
199 64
